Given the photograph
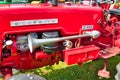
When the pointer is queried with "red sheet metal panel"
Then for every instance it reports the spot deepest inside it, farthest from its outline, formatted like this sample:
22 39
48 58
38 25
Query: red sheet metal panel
79 55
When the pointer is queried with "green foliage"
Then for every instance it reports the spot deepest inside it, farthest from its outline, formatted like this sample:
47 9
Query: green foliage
88 71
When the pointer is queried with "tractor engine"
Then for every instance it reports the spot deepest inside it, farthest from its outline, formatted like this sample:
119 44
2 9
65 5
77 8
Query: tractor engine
19 43
33 36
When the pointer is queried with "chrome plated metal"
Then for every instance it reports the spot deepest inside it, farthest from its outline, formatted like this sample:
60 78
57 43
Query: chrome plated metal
35 43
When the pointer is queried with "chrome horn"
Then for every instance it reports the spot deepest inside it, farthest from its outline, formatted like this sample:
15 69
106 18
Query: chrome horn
34 43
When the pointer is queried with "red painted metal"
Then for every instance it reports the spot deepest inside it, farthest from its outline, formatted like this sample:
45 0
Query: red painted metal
109 52
72 20
117 43
106 54
6 72
104 72
68 17
79 55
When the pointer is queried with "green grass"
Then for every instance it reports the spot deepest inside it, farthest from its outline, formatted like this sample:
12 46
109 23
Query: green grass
88 71
118 3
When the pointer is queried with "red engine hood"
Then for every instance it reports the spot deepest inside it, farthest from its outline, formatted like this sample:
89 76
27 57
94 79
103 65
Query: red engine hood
70 19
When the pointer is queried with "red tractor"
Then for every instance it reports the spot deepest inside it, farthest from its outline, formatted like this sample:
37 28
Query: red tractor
36 35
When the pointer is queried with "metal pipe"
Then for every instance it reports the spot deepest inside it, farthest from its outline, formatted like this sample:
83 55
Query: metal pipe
34 43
